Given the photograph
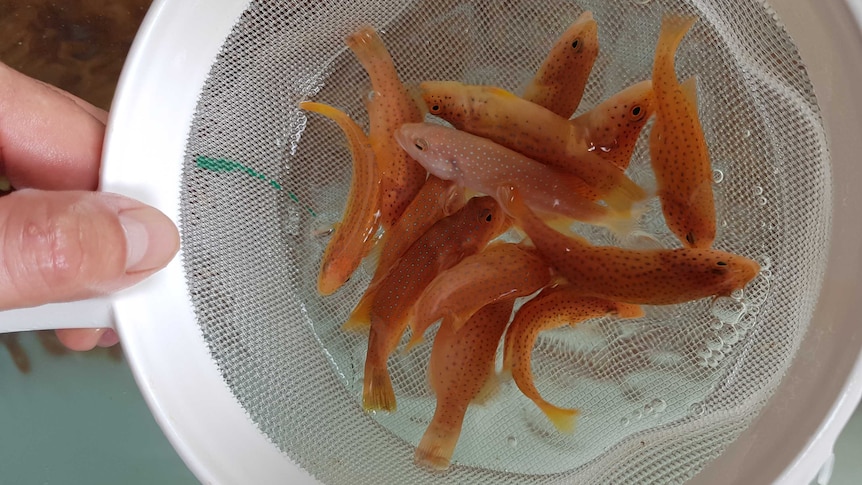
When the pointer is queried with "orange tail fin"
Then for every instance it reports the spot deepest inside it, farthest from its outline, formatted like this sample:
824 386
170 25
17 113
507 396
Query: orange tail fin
377 392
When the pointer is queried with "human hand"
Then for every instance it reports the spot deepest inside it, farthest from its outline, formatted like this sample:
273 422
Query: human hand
59 239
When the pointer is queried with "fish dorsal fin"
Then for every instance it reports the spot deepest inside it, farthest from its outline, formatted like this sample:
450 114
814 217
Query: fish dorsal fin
498 91
689 89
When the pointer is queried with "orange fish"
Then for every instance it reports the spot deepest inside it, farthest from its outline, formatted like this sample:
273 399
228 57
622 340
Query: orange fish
354 236
647 277
559 84
444 244
461 370
481 165
552 308
611 129
390 106
680 158
501 271
538 133
436 200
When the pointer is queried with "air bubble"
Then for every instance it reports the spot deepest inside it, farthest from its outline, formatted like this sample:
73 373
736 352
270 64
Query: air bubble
766 273
718 356
747 133
762 201
658 405
512 442
729 335
637 414
727 309
717 176
697 409
758 290
747 321
737 294
625 421
714 342
754 310
758 190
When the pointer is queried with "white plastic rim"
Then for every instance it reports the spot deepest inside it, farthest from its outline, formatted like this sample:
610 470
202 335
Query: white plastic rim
145 146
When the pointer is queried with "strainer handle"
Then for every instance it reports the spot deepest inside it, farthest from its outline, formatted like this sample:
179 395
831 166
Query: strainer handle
93 313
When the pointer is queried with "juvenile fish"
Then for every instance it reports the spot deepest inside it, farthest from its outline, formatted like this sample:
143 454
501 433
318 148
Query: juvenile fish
680 158
501 271
552 308
461 371
444 244
436 200
481 165
354 235
559 84
544 136
390 106
647 276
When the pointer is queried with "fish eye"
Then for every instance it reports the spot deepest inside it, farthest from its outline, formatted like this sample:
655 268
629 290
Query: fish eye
576 44
721 263
420 144
435 109
637 112
690 238
486 216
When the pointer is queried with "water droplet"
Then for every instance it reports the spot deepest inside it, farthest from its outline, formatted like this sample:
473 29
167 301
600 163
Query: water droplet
762 201
713 363
758 190
754 309
641 2
717 176
747 321
747 133
724 223
512 441
727 309
637 414
765 262
625 421
714 342
658 405
697 409
737 294
758 290
716 323
371 95
766 273
729 335
718 356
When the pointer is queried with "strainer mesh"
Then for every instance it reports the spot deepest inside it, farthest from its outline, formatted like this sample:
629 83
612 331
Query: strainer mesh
264 182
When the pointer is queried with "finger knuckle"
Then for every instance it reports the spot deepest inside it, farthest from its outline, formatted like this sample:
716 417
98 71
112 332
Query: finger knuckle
53 244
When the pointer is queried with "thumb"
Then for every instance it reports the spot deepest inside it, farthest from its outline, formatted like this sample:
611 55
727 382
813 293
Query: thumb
63 246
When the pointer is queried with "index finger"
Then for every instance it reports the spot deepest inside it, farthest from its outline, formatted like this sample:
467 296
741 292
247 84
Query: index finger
49 139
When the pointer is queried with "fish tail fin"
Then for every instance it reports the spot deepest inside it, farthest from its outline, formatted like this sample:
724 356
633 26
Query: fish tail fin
629 310
377 392
625 195
563 419
673 29
435 449
621 223
367 45
360 317
330 112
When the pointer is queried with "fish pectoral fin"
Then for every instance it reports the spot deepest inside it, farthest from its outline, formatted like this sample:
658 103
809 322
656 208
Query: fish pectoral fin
689 89
489 389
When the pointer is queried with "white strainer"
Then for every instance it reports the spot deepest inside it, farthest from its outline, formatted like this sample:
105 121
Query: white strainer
246 367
